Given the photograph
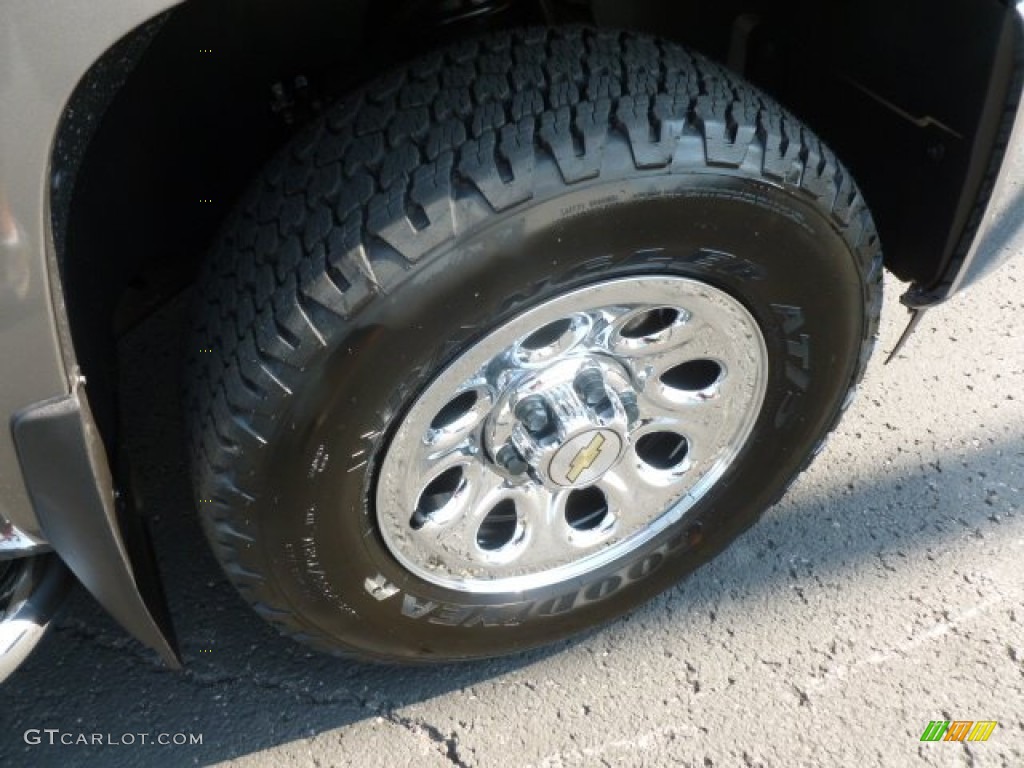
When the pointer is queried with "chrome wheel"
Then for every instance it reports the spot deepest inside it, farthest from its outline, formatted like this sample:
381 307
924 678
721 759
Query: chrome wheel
572 434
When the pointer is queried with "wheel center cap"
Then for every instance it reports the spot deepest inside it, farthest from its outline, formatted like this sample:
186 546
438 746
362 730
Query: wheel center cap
584 458
564 425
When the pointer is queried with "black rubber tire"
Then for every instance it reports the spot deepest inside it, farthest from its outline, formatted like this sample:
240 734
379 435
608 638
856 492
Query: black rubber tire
442 200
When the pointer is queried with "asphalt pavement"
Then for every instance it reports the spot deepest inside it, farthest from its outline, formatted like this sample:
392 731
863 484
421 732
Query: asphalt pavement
884 592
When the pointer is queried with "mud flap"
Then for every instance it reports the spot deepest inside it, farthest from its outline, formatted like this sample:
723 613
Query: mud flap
68 478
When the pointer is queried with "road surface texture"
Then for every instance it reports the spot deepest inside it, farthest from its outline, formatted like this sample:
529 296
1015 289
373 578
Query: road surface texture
885 591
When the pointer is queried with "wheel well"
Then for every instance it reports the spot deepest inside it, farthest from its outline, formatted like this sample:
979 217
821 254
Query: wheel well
193 103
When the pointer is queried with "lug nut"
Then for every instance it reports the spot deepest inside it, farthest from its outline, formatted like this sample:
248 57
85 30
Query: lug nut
509 458
533 413
590 385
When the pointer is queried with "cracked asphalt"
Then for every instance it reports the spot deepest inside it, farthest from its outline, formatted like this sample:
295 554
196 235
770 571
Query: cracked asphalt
886 590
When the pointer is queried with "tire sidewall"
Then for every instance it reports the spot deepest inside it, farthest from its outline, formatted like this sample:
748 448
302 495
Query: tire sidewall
314 484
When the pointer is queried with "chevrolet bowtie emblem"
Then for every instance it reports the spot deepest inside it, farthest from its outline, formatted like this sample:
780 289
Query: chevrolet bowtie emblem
585 459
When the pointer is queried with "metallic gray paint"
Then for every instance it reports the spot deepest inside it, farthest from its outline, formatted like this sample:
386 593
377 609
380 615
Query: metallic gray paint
45 48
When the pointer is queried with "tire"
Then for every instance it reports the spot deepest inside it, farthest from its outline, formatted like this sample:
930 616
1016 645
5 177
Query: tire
420 219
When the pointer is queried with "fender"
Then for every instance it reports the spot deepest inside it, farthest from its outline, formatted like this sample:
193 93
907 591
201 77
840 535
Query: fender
63 499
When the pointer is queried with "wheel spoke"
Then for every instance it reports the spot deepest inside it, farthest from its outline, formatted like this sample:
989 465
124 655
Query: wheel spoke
432 463
701 422
693 341
631 495
455 534
457 421
539 511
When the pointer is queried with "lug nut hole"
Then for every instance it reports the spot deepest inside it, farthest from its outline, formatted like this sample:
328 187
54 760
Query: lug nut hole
693 375
437 495
455 410
499 527
650 323
586 509
662 450
547 336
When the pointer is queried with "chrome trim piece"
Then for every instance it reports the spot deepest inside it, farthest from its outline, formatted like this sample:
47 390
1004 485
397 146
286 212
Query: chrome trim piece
37 594
15 543
572 434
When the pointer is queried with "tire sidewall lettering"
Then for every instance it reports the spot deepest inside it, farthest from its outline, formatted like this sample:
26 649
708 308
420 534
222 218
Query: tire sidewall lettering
455 614
798 360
